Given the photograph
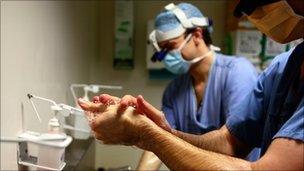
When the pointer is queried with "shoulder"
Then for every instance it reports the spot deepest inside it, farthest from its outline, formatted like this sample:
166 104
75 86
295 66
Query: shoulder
277 65
281 59
235 65
230 62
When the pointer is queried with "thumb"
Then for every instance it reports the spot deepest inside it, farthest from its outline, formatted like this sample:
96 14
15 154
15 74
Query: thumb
108 99
90 106
146 108
154 114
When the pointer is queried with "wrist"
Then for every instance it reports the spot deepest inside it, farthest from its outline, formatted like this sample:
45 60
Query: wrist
174 132
147 135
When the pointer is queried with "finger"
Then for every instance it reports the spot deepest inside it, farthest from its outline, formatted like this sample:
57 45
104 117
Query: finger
125 102
129 100
98 137
153 113
85 105
96 99
147 108
89 106
107 99
104 98
122 107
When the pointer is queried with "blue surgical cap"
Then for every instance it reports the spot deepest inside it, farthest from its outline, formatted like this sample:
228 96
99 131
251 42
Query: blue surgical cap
167 21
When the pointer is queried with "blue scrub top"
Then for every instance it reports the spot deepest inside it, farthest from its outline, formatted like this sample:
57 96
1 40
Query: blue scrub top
255 117
230 80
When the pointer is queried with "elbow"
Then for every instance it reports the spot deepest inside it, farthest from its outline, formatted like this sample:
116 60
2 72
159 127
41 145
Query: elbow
236 148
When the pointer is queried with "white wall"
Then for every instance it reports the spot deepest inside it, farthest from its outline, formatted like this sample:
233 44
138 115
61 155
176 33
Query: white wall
45 46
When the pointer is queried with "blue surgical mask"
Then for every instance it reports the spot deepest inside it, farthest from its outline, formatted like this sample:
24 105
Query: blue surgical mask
175 63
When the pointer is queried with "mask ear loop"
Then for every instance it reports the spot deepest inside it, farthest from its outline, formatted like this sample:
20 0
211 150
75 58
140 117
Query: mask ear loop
184 43
195 60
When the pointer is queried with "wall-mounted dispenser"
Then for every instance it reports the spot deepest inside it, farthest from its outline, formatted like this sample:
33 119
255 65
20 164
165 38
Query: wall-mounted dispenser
44 150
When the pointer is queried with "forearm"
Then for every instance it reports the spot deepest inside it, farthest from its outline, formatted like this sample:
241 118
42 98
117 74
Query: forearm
180 155
220 141
149 161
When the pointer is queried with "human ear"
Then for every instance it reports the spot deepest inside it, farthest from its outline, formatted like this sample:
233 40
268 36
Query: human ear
197 36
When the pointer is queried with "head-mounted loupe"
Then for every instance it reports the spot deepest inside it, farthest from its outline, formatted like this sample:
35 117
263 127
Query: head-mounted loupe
159 54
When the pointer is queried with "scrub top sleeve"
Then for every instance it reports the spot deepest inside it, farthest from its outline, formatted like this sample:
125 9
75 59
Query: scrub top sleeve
247 119
240 82
246 122
167 105
294 127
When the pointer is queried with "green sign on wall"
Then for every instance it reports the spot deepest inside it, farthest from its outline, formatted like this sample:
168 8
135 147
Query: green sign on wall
123 58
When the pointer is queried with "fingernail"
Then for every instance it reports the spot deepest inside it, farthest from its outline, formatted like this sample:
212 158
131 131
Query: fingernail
141 98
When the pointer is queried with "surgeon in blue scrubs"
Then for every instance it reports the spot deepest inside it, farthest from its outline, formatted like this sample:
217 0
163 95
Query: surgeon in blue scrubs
209 84
271 116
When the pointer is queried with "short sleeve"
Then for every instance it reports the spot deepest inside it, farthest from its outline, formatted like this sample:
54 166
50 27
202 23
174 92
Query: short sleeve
294 127
248 119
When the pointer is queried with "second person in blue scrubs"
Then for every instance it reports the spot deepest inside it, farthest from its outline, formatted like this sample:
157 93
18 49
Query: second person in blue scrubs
209 84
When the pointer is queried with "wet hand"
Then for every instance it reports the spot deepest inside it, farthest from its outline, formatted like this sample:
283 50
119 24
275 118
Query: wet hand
154 114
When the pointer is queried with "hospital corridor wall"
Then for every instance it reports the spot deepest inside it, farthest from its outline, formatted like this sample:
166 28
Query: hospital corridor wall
47 45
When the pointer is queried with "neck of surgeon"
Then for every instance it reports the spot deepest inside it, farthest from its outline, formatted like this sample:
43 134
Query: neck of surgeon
200 70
